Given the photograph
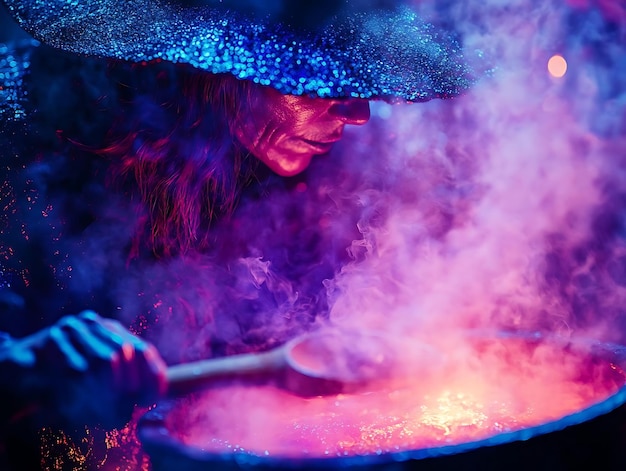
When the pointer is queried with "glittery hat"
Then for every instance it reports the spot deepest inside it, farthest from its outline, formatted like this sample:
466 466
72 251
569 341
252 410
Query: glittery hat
347 48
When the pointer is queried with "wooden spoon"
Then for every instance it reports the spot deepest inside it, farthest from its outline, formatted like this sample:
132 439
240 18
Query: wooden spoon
324 362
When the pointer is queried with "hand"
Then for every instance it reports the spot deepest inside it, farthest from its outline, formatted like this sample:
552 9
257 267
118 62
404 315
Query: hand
84 370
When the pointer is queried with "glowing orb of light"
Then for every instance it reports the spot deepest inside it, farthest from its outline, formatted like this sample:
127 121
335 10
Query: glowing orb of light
557 66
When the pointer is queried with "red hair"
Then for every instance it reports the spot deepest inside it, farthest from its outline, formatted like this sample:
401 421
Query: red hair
173 144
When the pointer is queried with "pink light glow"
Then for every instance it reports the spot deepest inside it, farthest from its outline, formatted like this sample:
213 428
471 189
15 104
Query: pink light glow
482 211
557 66
500 209
495 387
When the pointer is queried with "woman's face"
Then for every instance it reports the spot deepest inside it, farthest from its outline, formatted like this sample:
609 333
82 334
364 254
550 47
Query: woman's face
286 131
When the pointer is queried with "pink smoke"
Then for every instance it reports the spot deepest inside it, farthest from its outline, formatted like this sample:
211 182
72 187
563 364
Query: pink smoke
497 210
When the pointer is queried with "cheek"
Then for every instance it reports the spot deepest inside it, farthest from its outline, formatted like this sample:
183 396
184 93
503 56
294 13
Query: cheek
255 129
272 122
274 129
291 115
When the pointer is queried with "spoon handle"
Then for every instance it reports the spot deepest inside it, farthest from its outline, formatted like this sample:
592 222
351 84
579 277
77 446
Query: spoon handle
187 377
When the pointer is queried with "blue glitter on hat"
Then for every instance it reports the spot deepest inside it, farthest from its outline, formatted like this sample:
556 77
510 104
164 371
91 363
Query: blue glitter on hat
387 53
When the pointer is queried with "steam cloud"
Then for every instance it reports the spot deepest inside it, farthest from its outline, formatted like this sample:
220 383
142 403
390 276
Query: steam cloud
499 209
502 209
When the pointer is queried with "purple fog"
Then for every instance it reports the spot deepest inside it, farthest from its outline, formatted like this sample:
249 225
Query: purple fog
501 209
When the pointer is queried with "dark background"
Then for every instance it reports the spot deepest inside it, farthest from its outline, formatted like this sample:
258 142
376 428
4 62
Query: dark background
8 28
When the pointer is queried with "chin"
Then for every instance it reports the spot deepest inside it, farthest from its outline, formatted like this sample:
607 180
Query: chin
288 167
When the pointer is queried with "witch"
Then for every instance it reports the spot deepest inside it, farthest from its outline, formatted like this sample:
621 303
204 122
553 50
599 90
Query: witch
149 119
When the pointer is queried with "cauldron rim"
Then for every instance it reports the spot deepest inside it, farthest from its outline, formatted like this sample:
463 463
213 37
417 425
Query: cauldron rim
153 433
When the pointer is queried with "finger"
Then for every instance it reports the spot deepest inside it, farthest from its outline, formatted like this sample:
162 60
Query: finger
109 383
119 352
60 344
101 351
100 328
140 366
113 334
147 377
152 375
85 339
121 332
124 366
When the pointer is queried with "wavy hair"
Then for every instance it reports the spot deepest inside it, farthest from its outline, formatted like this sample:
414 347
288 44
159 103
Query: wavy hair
173 145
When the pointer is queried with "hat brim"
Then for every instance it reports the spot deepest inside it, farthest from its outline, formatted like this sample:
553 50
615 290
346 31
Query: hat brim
392 55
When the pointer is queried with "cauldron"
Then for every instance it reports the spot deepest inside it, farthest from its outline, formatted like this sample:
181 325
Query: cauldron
591 438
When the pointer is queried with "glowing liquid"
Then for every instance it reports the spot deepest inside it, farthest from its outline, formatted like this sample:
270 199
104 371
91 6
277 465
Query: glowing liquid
497 387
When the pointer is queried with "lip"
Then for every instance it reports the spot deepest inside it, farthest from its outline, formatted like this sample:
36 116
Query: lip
321 147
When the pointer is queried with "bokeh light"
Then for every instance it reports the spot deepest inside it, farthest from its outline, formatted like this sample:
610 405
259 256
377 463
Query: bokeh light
557 66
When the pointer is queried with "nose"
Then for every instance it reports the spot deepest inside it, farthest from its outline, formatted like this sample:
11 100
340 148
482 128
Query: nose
351 111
